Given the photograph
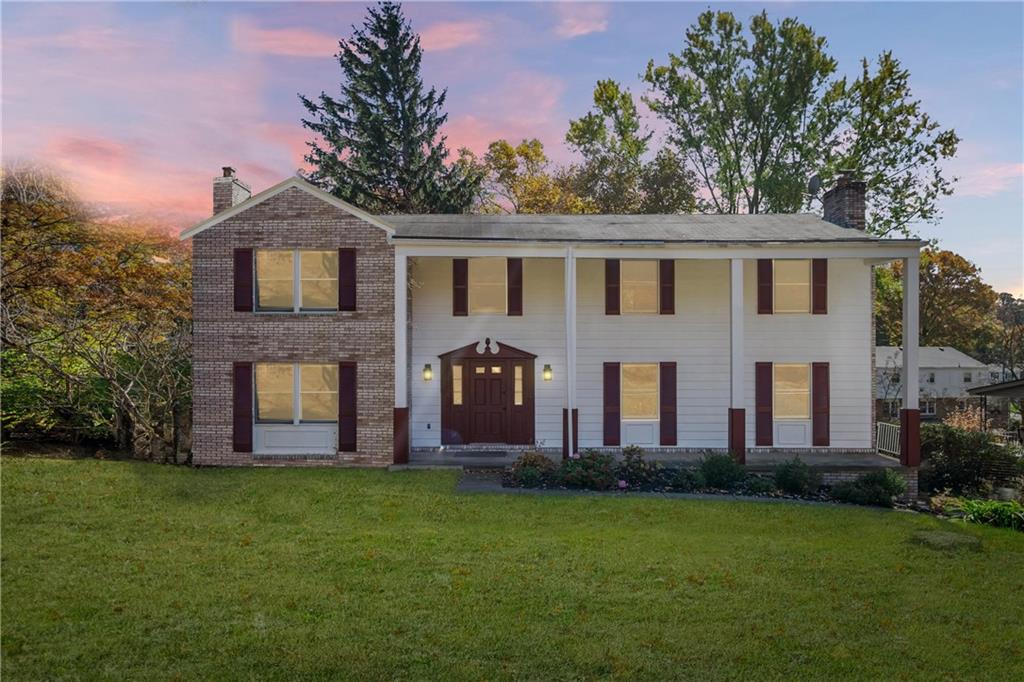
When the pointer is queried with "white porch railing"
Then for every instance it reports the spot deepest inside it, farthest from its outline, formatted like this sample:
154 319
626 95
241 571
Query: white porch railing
887 440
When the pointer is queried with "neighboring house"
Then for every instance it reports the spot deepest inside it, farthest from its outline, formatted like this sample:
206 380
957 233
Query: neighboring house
944 378
325 334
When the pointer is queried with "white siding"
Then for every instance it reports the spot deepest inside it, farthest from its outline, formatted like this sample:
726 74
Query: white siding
540 330
696 338
841 338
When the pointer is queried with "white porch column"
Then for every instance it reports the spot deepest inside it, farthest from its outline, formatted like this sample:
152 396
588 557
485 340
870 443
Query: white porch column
737 438
736 333
401 415
911 332
570 351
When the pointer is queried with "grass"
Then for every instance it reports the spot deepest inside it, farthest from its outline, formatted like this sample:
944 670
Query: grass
125 570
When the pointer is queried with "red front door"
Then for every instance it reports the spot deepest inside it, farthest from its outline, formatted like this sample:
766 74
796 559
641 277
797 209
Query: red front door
489 401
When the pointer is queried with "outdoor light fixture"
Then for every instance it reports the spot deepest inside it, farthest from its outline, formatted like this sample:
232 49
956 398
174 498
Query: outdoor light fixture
428 373
547 372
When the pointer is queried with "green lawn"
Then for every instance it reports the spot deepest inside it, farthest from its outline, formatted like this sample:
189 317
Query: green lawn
123 570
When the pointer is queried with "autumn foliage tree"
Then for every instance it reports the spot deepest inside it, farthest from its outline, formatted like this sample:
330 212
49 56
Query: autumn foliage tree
520 179
95 323
956 305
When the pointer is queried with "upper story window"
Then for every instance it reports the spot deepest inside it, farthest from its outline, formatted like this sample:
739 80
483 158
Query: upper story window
291 393
488 286
967 377
792 391
296 280
792 286
931 377
638 288
640 391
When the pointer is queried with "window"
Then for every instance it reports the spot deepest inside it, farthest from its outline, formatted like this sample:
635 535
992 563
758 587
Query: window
456 384
893 407
967 377
928 408
792 288
640 391
994 376
319 280
296 280
931 377
517 391
487 286
275 388
296 393
275 274
638 286
792 396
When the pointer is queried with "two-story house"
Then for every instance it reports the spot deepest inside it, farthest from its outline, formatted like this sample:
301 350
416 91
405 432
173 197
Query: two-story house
945 376
324 334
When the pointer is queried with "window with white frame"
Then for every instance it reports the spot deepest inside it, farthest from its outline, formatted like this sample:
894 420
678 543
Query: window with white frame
791 391
296 280
640 392
638 286
792 286
967 377
488 286
296 393
928 408
931 377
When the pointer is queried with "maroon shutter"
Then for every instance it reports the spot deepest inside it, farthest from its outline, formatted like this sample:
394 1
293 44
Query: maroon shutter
819 404
819 286
347 406
667 382
667 279
763 403
241 437
460 286
611 286
346 279
764 286
243 280
612 419
515 286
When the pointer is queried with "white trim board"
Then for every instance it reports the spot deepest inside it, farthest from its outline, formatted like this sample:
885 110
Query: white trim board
297 183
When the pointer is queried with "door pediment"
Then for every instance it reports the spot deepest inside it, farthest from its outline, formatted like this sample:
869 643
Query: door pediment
487 350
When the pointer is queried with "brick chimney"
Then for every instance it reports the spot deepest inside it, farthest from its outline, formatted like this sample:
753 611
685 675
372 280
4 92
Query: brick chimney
228 191
844 203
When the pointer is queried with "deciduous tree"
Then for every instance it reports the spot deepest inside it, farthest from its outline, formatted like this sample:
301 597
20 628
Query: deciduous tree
519 180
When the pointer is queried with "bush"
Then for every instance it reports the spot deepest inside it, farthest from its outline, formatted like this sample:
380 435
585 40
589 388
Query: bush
966 462
532 469
992 513
591 470
877 488
796 478
688 480
635 470
722 471
759 485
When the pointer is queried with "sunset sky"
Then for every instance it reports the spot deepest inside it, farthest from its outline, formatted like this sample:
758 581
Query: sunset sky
141 103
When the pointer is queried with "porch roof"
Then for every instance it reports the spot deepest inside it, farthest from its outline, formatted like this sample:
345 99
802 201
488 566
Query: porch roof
682 228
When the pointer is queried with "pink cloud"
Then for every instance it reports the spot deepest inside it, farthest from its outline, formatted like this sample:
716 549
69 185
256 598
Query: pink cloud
579 19
989 179
86 38
448 35
287 42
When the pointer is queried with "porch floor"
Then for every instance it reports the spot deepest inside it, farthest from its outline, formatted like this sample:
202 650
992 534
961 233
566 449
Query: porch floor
490 457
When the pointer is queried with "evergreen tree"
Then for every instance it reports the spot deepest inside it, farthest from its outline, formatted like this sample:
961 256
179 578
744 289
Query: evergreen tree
381 147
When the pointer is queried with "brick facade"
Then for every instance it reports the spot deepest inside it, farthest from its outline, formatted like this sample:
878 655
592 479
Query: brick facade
292 219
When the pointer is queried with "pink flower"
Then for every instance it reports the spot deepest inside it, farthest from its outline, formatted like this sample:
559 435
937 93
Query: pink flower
574 455
622 485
